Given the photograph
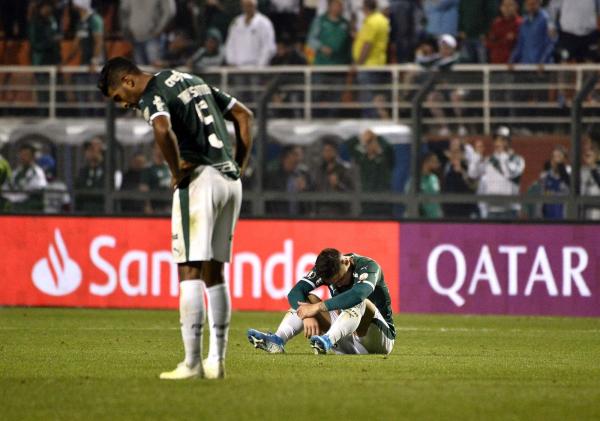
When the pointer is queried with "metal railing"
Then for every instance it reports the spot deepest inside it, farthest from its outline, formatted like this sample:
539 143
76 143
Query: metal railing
476 97
558 99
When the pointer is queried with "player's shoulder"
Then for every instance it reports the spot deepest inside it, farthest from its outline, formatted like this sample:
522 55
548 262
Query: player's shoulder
364 264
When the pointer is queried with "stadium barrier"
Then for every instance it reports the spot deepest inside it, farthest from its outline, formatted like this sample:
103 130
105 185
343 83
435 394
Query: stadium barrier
469 268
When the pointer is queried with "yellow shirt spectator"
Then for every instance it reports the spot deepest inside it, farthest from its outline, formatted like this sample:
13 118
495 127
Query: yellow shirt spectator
375 31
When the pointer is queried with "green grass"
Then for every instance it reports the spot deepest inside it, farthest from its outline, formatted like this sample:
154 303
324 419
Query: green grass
99 364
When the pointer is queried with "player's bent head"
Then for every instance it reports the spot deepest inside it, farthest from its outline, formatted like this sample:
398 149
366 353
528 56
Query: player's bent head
115 73
328 264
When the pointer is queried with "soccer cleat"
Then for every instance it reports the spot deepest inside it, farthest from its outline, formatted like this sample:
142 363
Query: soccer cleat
266 341
183 372
320 344
214 369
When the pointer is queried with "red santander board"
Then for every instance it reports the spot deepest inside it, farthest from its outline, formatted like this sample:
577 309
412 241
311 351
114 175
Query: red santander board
126 262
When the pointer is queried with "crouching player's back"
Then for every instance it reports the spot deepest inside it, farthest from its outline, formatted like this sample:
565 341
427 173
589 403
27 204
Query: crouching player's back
357 319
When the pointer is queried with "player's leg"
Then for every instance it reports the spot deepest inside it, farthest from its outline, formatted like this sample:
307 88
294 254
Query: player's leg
290 326
226 198
342 334
376 337
192 221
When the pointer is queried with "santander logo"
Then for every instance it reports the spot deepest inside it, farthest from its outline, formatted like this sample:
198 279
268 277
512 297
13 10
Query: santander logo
57 274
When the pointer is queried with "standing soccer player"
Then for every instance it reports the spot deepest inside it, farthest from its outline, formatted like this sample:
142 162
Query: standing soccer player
188 119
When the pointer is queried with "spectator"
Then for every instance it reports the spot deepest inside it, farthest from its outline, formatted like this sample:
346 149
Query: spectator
284 16
406 28
430 184
179 48
144 22
56 194
211 54
590 181
90 33
5 179
214 16
555 181
444 61
133 181
534 44
504 32
475 18
370 49
329 36
157 177
332 175
442 16
91 177
456 180
29 180
44 36
288 54
498 174
288 174
374 158
251 38
579 22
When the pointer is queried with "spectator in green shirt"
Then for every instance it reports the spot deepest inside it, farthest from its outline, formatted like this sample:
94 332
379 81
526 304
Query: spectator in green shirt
44 36
430 184
157 177
329 37
474 20
374 158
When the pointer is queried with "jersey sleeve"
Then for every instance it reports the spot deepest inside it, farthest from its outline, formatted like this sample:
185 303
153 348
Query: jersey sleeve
224 101
368 274
305 285
153 105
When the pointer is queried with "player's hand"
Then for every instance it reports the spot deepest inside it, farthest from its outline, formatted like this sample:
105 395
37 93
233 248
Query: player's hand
306 310
311 327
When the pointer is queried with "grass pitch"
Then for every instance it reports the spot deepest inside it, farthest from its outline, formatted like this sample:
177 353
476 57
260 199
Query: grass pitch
100 364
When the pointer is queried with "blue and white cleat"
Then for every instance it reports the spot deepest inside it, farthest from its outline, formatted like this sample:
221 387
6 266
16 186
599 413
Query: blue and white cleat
320 344
266 341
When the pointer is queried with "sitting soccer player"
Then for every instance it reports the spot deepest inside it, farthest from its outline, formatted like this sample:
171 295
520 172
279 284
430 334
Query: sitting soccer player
356 320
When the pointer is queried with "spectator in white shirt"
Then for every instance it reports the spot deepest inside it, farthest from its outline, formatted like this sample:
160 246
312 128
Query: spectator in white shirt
29 179
251 38
578 21
498 174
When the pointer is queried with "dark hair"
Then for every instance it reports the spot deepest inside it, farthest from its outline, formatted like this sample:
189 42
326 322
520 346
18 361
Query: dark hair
330 140
370 4
112 72
328 263
288 150
27 146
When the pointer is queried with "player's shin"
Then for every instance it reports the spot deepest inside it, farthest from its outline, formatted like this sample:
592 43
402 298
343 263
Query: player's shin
346 323
191 317
290 326
219 316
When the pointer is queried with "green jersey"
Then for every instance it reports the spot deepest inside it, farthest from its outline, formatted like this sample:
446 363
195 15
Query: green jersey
196 111
365 272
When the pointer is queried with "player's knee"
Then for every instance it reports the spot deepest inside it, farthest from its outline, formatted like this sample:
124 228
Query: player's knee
313 299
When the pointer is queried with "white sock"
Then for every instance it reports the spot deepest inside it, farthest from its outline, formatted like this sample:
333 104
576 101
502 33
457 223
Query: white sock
219 315
290 326
191 317
346 323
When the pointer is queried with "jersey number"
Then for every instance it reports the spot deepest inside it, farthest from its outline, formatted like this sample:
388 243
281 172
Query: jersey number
207 119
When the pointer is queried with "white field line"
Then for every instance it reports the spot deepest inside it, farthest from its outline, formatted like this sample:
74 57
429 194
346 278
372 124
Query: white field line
398 328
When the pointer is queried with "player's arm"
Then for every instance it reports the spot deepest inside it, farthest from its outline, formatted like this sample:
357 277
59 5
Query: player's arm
167 142
355 295
299 293
242 119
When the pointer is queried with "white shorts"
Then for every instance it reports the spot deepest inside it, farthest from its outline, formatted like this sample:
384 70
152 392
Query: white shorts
204 217
376 341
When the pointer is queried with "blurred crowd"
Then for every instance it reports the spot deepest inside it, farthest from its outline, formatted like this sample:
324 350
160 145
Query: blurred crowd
366 163
201 33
